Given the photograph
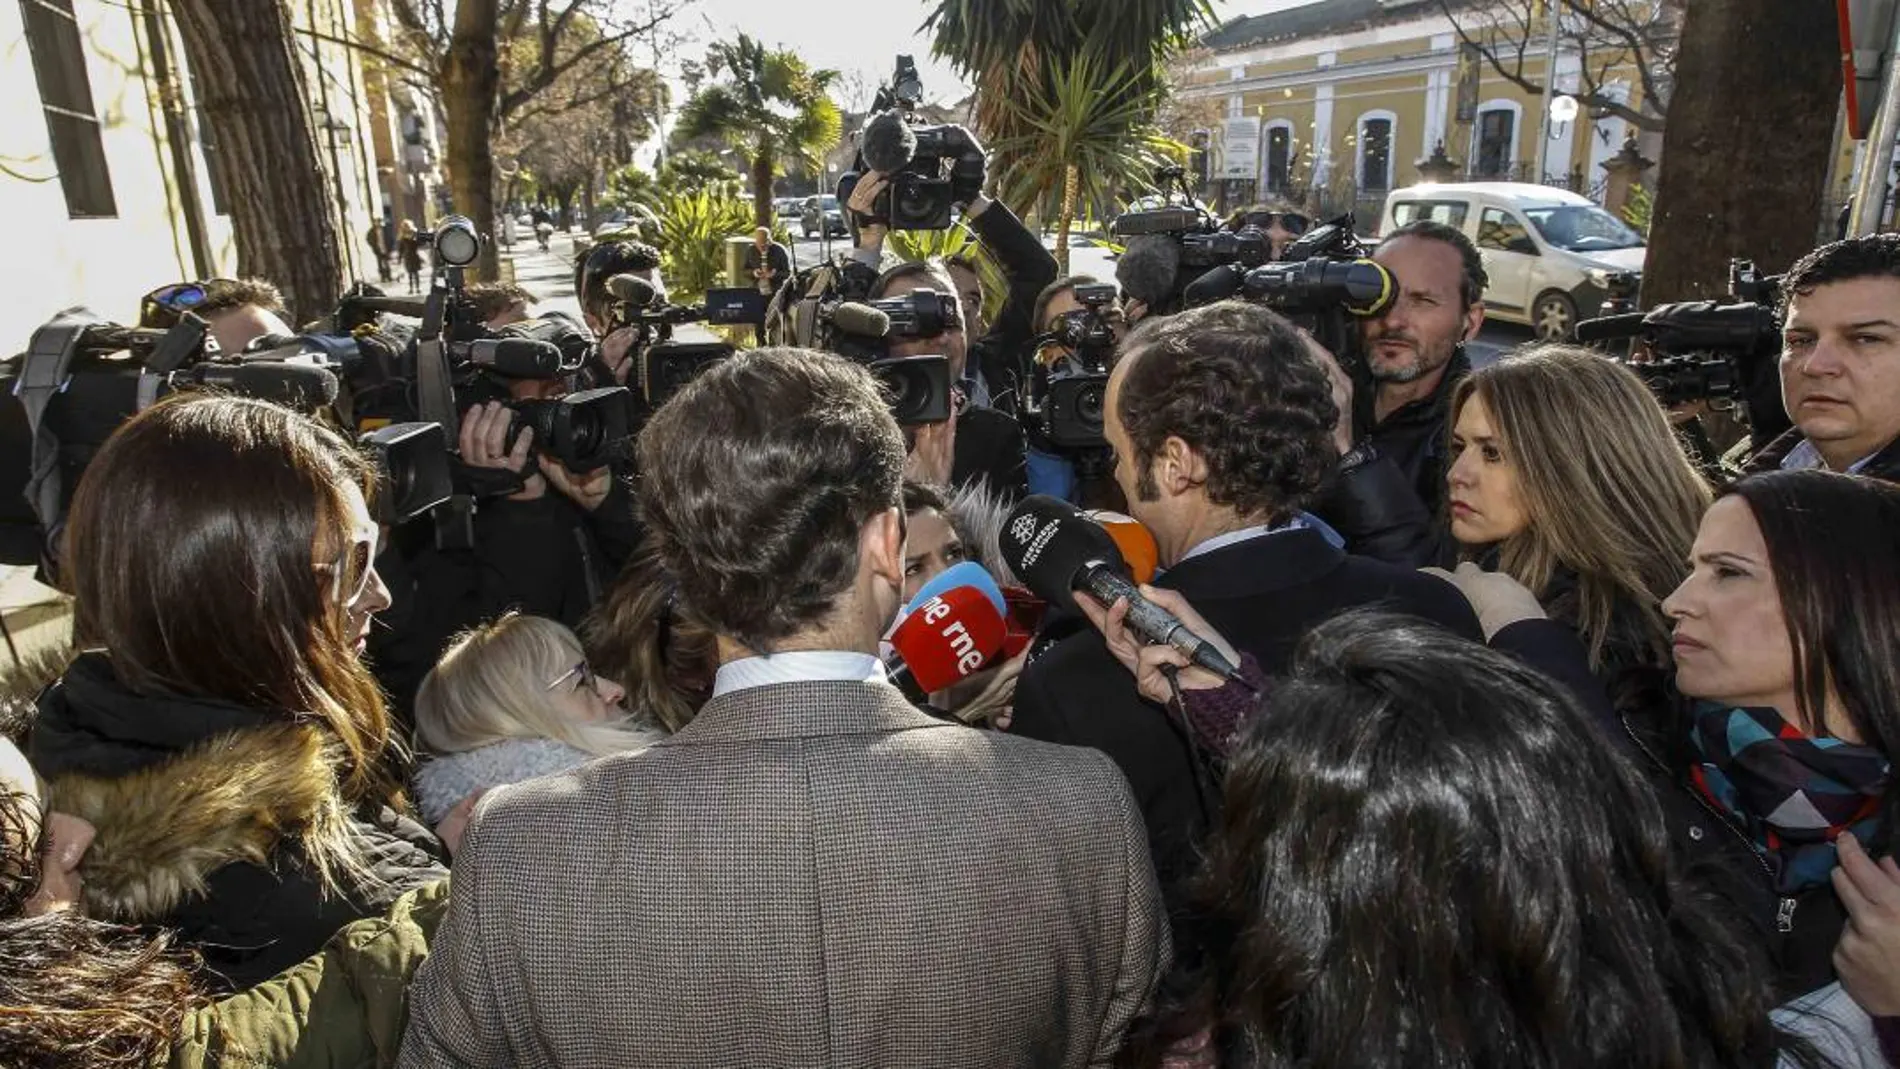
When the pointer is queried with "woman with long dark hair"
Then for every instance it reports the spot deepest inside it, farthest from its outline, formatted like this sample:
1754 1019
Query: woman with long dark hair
219 729
1787 647
1428 856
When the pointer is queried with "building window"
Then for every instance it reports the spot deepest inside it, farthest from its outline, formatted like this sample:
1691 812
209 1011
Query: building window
1496 132
59 64
1279 159
1375 153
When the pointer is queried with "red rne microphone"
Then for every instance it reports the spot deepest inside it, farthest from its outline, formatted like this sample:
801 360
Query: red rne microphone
946 639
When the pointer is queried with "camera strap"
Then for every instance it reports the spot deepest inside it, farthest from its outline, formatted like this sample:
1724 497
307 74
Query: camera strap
45 371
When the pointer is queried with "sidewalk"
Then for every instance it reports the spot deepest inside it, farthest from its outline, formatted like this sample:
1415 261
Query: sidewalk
548 275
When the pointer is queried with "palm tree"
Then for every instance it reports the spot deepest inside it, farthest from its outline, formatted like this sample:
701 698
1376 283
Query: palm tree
1035 62
769 106
1090 134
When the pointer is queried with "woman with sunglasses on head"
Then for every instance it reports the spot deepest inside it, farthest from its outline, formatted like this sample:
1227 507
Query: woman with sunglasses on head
512 700
219 730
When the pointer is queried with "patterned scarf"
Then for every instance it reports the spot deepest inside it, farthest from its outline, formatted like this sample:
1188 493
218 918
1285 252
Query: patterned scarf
1793 794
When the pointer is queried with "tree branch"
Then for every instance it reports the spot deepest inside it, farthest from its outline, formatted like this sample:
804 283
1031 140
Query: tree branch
1594 99
547 73
367 49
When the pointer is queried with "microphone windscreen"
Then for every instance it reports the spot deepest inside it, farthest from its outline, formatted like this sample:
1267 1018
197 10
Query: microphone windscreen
1047 542
949 637
887 144
1149 267
1136 542
632 289
860 320
1217 284
969 573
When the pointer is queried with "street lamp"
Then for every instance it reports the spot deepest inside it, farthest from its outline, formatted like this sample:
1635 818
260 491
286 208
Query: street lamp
1563 109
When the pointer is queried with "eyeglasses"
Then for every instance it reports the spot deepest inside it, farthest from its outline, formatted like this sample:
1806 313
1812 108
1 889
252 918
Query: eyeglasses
349 574
587 678
162 307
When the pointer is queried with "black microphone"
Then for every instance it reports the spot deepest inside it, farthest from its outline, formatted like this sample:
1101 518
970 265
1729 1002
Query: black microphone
632 289
888 144
1217 284
299 386
1149 268
1610 328
860 320
520 358
1056 551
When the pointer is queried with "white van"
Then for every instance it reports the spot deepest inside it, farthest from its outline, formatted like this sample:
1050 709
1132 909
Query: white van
1548 252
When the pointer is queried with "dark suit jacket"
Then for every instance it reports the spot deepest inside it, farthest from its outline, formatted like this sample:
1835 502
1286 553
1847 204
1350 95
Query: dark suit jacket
1264 595
809 874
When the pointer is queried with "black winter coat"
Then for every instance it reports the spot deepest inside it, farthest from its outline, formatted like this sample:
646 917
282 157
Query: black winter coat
200 806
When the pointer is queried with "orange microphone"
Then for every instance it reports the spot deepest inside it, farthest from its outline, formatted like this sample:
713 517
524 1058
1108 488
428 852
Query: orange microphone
1136 543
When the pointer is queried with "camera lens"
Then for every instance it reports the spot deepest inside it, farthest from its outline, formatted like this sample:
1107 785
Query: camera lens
1089 403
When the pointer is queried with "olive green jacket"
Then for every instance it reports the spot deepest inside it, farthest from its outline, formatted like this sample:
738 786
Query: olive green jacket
345 1008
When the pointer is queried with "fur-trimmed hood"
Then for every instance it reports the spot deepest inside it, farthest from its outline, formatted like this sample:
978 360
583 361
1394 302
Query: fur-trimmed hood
180 788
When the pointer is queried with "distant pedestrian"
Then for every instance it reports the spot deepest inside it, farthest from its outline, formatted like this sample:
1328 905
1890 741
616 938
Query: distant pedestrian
409 243
380 251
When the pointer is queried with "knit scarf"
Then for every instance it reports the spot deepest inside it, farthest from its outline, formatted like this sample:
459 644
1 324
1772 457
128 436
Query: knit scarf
1793 794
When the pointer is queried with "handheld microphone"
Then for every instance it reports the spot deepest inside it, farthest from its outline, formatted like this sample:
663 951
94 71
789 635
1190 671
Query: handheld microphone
949 637
1137 543
632 289
299 386
860 320
1149 268
970 574
888 144
1057 552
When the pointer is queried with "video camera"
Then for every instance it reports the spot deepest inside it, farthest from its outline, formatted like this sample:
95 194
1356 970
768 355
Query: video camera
1706 350
1068 383
828 308
81 377
665 365
931 169
1325 283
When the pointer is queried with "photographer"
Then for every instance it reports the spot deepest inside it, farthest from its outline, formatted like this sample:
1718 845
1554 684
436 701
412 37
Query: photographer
591 272
238 310
1390 488
1840 365
1052 470
547 540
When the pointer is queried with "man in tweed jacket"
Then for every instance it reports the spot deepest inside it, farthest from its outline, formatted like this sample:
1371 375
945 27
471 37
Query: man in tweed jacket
812 873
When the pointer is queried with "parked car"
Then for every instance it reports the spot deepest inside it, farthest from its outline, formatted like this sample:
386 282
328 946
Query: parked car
788 209
822 213
1550 253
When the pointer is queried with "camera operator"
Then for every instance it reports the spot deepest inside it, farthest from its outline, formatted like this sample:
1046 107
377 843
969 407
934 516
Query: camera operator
547 542
988 443
1391 485
1051 471
1280 222
591 273
500 304
997 359
238 310
1840 363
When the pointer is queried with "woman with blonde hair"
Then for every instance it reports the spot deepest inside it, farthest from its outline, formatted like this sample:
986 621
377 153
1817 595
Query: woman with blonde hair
1566 475
512 700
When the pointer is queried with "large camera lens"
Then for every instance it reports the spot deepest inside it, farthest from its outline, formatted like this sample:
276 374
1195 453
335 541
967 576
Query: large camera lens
919 203
1089 403
456 243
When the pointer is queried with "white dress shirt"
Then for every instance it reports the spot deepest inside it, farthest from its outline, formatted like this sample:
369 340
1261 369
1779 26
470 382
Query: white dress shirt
798 666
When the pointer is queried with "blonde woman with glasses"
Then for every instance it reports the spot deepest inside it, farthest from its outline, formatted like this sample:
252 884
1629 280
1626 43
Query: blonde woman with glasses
510 701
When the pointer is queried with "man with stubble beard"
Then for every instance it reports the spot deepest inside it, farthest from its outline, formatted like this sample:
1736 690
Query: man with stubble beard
1389 485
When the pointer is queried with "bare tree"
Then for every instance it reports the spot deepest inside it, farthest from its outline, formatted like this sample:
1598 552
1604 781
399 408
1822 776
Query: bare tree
494 62
1605 35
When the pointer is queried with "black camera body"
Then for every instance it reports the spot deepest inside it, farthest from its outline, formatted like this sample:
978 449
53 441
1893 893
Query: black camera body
947 166
1068 391
1248 246
1705 350
921 313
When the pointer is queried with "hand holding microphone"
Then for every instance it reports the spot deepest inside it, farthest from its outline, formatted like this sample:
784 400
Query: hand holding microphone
1058 553
1150 663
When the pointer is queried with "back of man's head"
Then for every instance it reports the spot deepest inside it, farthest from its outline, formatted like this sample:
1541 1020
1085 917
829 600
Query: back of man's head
1872 256
757 480
1241 387
1472 279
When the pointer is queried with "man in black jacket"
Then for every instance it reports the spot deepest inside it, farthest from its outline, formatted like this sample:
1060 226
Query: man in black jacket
1840 362
1222 422
1392 484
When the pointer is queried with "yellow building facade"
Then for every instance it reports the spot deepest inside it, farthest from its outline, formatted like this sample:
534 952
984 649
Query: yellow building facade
1332 105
